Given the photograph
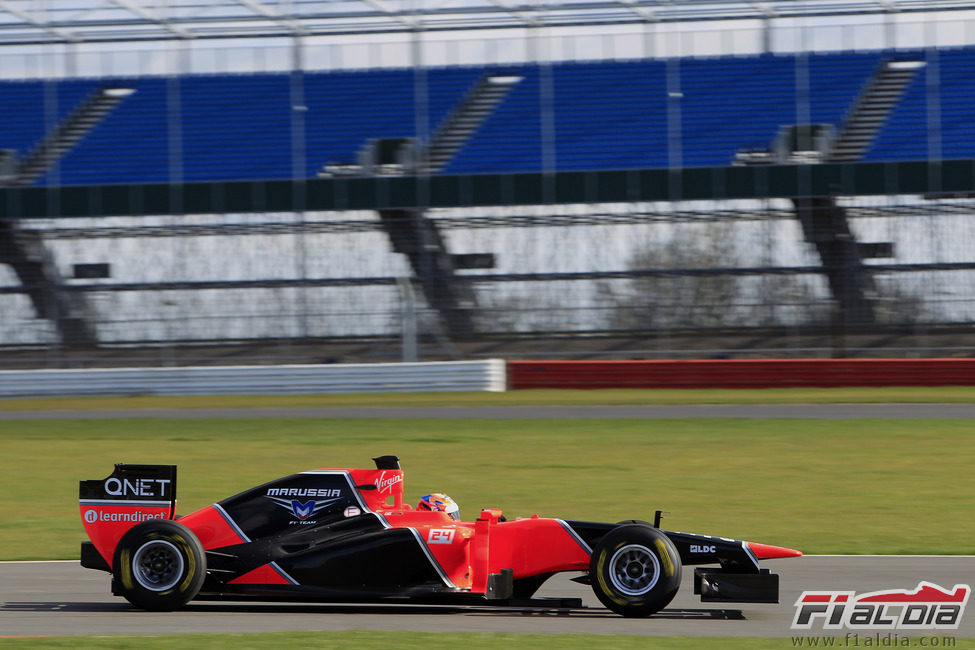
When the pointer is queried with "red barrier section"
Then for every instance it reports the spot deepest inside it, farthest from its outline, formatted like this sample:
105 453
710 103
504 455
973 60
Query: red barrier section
741 373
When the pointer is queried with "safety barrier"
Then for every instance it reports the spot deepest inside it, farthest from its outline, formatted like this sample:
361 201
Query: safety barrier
485 375
741 373
488 375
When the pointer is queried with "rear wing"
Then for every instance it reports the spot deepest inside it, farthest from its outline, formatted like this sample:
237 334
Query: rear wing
128 496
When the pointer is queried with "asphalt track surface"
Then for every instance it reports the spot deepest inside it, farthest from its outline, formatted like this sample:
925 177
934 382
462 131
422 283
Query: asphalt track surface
761 411
61 598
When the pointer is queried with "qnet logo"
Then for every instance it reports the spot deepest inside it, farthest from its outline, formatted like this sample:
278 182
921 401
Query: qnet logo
927 607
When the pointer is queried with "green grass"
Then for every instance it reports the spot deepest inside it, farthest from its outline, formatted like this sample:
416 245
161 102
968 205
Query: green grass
369 640
847 486
945 394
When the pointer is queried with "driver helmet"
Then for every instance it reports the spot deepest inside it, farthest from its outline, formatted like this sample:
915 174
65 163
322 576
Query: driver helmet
439 502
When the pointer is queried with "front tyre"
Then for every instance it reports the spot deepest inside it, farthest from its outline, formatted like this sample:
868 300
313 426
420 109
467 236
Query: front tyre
159 565
635 570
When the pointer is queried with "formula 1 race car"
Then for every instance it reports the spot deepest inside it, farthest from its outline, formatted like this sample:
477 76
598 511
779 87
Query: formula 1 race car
346 535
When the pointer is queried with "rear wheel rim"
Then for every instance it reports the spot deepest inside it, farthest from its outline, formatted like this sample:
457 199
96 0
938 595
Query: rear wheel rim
158 565
634 570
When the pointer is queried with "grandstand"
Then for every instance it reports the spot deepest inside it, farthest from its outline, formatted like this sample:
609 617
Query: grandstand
607 114
669 205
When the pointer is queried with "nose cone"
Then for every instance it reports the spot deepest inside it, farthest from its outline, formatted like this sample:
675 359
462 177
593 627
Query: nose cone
767 552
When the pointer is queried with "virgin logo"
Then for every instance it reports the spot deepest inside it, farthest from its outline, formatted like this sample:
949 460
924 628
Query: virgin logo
384 484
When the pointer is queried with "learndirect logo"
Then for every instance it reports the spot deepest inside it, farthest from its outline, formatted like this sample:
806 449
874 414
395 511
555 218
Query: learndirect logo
927 607
92 516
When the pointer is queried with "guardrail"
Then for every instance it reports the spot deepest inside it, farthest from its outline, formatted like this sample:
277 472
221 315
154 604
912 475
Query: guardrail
485 375
741 373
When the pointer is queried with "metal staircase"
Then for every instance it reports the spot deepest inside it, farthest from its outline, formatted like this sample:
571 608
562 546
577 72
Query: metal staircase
67 134
30 259
24 250
825 223
871 110
463 121
415 235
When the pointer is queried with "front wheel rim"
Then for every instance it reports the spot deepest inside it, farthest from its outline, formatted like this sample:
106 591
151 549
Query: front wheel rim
158 565
634 570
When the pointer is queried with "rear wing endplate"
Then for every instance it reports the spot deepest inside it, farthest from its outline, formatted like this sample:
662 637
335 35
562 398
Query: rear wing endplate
128 496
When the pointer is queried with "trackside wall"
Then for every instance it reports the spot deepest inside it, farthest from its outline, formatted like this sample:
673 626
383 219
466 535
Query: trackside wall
741 373
488 375
484 375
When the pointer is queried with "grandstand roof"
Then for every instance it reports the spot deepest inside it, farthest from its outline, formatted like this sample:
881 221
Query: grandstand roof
67 21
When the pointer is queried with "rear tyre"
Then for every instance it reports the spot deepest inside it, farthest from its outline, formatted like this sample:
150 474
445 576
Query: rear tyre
159 565
635 570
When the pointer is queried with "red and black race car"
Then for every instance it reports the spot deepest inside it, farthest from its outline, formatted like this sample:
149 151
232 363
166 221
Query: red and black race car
346 535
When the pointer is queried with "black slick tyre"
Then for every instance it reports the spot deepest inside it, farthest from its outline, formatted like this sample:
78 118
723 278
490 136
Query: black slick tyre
159 565
635 570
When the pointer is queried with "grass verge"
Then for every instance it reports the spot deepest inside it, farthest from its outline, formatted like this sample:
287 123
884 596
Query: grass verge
849 486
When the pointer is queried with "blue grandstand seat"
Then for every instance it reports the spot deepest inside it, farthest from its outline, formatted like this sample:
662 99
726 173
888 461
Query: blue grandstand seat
907 137
605 115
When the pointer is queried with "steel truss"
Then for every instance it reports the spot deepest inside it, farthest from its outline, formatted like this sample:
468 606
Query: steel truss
478 222
82 21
